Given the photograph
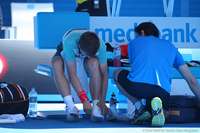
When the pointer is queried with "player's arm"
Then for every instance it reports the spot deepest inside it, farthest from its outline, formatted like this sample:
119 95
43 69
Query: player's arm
71 68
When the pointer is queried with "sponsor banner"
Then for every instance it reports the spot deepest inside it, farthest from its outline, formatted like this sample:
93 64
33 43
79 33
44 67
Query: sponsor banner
182 32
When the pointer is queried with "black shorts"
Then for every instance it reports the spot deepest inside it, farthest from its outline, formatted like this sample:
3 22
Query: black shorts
58 50
143 90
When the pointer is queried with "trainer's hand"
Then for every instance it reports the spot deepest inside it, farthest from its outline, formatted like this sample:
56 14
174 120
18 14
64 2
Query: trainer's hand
103 108
87 108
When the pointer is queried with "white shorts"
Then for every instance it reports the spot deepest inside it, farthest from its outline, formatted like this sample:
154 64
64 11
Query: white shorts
81 74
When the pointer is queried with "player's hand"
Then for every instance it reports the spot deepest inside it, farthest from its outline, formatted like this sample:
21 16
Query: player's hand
103 108
87 108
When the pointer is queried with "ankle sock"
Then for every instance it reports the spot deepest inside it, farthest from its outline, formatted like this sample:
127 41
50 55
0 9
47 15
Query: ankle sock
68 101
96 113
94 105
138 104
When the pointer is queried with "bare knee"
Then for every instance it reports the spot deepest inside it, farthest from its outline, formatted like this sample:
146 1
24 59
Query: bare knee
57 63
116 73
92 65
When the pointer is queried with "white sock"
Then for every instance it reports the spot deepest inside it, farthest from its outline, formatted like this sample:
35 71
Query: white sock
138 104
94 105
68 101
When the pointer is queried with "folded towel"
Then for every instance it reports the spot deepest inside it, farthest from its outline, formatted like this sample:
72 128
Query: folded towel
16 117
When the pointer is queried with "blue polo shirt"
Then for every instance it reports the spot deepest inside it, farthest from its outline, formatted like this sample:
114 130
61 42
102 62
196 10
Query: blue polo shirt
152 60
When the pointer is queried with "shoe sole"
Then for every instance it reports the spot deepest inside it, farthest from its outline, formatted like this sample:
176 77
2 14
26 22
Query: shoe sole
146 115
112 119
158 120
73 117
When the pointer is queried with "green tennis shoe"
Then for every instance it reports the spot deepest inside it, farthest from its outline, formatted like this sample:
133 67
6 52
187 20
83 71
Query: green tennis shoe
158 118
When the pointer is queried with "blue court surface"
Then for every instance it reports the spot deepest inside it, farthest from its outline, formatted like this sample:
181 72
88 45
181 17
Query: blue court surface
57 123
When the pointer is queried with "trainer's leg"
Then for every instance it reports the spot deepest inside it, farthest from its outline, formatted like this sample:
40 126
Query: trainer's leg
140 112
134 100
130 97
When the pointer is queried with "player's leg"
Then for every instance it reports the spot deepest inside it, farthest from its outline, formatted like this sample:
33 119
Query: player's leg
92 66
63 87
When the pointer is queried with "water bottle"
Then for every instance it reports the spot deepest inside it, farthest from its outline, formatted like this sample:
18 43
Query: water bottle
113 101
117 56
113 111
33 103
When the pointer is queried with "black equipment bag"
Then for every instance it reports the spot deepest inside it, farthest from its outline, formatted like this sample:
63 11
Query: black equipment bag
183 109
14 99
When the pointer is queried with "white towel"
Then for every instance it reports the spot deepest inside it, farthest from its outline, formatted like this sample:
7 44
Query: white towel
16 117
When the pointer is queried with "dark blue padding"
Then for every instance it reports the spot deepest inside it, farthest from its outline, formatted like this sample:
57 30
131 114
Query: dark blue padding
49 27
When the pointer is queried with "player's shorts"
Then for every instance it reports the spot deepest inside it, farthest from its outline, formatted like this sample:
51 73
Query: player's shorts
81 74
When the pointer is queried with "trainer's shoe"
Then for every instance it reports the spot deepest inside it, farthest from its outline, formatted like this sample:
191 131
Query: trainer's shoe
96 116
127 116
73 114
158 118
112 115
140 115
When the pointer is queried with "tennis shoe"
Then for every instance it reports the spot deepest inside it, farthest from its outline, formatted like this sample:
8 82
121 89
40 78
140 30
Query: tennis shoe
140 115
158 118
73 114
96 116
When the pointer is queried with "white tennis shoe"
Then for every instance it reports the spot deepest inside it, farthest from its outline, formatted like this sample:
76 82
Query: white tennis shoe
73 114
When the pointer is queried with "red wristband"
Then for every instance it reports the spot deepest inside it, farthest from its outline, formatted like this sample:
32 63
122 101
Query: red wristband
83 97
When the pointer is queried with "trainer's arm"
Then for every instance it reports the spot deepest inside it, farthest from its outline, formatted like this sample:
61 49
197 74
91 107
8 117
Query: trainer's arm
104 86
190 79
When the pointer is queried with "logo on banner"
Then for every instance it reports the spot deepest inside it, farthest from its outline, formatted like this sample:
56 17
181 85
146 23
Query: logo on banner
185 34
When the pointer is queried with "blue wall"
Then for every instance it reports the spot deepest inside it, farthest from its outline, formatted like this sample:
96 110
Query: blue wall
137 8
143 8
59 6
